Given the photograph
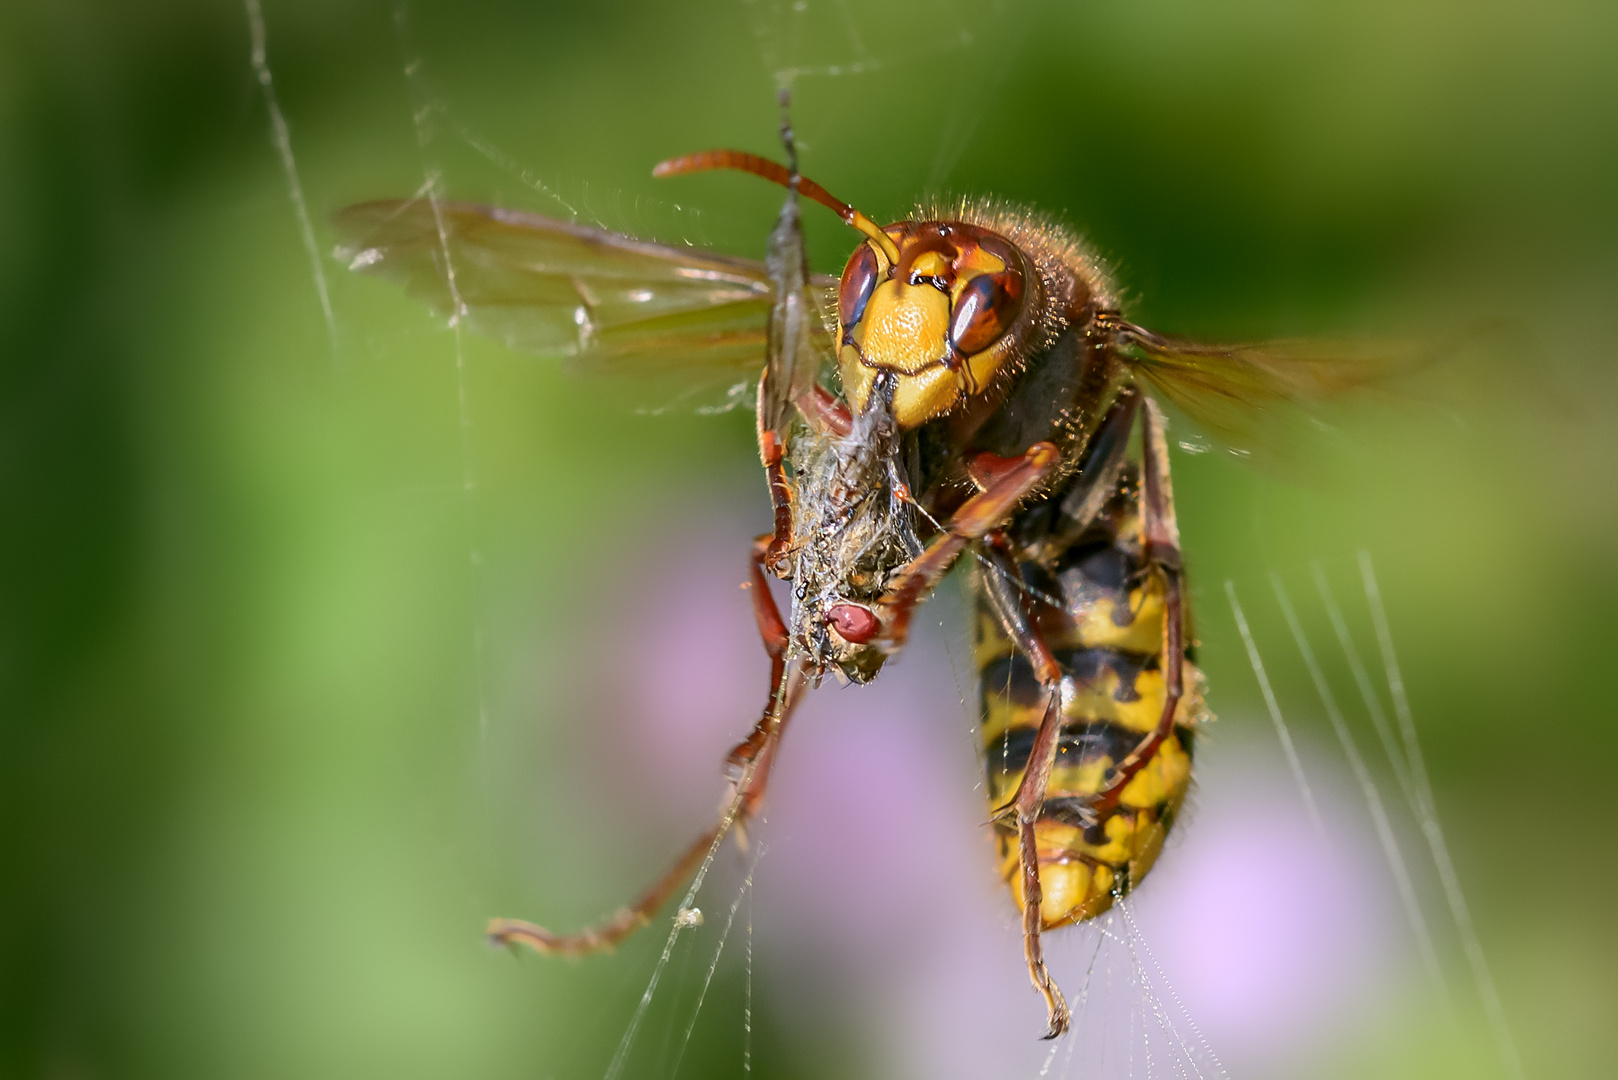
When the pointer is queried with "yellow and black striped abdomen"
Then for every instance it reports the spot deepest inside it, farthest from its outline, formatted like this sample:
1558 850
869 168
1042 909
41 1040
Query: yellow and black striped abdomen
1103 621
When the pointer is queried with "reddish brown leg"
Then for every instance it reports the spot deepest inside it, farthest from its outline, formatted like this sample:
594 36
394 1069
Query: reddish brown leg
607 933
1057 1015
772 631
772 453
1160 553
976 517
749 764
824 411
1001 584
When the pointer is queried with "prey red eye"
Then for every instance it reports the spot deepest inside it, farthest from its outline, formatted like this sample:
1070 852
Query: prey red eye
854 623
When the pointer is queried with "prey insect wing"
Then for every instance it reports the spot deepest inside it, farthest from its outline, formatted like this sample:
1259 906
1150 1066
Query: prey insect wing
611 304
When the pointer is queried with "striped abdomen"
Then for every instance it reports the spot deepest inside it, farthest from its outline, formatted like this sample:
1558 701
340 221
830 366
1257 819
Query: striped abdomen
1104 622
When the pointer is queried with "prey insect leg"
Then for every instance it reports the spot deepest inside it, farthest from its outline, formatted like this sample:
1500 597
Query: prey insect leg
772 631
1029 800
748 766
772 453
824 411
604 935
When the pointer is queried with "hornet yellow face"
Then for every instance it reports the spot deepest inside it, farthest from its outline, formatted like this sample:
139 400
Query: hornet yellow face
944 306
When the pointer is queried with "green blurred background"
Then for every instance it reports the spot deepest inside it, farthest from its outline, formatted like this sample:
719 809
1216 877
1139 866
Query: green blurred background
286 711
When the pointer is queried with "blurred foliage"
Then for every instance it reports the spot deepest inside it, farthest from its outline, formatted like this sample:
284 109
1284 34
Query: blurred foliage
248 823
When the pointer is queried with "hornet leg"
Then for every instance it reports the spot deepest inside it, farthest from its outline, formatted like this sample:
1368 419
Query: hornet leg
1003 584
980 514
1160 554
